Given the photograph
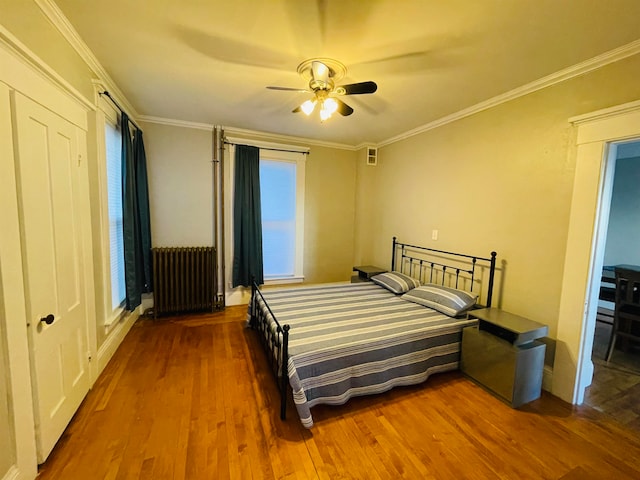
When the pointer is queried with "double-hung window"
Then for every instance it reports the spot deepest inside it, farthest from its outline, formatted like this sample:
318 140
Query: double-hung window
108 208
282 204
113 141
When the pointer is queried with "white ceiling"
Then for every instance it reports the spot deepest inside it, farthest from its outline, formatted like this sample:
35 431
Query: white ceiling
208 61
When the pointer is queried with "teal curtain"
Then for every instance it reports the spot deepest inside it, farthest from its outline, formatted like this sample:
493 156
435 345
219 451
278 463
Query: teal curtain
135 220
247 218
140 159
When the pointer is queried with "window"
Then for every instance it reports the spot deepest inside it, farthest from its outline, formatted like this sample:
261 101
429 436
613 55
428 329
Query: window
278 202
113 140
282 203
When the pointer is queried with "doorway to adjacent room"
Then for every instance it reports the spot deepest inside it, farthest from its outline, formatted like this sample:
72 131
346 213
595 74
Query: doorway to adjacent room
616 383
597 137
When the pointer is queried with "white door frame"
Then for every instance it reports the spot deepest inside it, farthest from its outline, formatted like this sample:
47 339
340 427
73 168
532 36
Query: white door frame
22 70
597 135
19 374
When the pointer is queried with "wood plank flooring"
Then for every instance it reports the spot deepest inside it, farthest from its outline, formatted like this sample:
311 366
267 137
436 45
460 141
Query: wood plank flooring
189 398
615 388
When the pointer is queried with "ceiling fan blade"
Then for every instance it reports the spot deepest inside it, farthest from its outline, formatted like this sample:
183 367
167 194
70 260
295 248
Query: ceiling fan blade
288 89
356 88
297 109
343 109
320 71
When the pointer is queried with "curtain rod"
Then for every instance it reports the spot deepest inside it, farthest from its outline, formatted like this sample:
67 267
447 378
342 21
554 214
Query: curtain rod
269 148
113 100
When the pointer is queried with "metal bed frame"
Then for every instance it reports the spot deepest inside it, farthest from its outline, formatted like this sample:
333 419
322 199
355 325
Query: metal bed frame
412 262
422 263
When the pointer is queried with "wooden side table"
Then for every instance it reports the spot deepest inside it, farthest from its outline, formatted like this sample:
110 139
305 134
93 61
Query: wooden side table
503 355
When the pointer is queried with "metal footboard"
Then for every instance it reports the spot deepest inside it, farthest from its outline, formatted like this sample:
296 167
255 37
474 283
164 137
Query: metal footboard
275 341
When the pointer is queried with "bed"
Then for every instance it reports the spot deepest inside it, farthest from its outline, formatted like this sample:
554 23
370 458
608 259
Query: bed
328 343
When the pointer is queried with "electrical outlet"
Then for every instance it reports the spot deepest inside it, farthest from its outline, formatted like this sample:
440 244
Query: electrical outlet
434 234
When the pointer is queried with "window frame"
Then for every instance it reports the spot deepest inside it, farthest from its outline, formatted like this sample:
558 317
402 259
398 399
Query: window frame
299 159
106 114
273 151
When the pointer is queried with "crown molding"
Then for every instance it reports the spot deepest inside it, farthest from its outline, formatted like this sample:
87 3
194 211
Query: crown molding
582 68
242 131
176 123
288 138
60 21
362 145
267 145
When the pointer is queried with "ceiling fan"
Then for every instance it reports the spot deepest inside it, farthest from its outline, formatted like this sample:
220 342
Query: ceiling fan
322 75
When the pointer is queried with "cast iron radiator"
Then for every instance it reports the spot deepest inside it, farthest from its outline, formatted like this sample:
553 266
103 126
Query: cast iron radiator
184 280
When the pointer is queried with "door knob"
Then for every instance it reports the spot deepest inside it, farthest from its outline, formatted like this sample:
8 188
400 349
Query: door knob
48 319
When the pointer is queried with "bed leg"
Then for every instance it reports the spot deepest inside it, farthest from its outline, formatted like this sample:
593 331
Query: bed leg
284 374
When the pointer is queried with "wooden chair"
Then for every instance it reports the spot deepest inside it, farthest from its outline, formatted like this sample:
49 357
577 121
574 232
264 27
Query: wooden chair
626 316
607 294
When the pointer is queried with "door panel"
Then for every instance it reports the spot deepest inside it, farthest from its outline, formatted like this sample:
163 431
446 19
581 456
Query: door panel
50 205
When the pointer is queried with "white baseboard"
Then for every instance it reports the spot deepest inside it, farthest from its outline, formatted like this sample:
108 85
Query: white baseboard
238 296
113 341
147 302
14 474
547 377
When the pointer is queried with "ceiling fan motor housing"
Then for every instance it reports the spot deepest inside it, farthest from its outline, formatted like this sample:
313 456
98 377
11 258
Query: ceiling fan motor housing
335 71
319 84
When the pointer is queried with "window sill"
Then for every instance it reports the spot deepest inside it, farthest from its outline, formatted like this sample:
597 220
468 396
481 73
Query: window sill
283 280
114 319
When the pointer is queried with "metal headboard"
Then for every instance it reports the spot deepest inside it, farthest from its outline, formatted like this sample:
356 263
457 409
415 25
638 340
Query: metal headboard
427 264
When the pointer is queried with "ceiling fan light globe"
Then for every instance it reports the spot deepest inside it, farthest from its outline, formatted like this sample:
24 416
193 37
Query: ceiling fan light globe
308 107
324 115
330 105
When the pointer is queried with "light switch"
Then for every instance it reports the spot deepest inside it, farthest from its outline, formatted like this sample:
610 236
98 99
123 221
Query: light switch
434 234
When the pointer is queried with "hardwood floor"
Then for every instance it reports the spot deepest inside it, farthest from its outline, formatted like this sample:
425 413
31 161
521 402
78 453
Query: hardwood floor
188 398
615 388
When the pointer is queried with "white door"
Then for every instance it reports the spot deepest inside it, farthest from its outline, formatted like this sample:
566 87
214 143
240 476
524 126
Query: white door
50 199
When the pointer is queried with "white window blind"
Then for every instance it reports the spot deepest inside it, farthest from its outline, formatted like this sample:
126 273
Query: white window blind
278 201
113 140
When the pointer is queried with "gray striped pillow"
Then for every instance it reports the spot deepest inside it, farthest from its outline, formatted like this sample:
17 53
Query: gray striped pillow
395 281
447 300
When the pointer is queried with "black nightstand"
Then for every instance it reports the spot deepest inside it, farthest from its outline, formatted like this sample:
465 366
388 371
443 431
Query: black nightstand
365 272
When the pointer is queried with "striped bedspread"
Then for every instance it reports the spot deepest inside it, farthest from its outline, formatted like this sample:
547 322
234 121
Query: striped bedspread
357 339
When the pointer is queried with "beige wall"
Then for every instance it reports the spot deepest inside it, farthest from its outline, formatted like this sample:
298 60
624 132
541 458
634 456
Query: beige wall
329 215
179 166
499 180
366 227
